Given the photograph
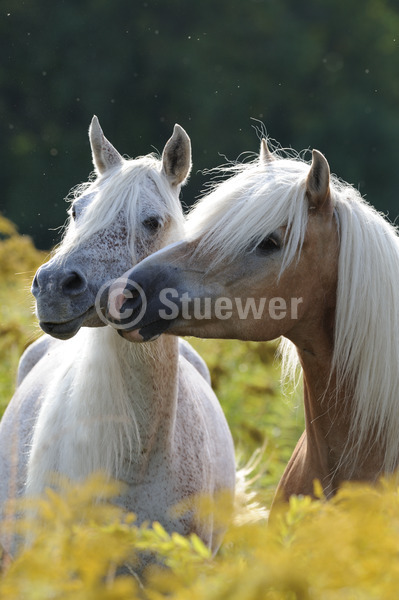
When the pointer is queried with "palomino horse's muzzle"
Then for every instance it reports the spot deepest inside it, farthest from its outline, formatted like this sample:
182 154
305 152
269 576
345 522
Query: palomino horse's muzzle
146 300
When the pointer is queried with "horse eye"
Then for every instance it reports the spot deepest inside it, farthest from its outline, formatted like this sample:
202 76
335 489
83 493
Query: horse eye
267 245
73 212
152 223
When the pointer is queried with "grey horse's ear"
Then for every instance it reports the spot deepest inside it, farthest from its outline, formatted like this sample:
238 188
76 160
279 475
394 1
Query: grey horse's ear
105 156
318 181
265 155
176 157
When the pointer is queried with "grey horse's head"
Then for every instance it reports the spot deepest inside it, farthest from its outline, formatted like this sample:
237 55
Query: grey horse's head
130 210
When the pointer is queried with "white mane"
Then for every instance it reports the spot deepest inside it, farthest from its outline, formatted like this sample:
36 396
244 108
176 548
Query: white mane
98 404
120 188
261 197
242 210
366 352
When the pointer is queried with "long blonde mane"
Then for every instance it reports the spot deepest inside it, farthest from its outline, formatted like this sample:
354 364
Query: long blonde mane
240 211
261 197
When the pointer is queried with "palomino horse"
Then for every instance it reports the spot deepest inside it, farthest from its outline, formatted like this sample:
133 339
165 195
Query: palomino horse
89 400
282 248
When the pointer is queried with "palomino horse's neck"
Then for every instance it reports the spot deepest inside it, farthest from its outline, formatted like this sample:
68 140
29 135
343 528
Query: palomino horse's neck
322 450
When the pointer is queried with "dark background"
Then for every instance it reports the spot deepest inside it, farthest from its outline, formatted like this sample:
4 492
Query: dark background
318 74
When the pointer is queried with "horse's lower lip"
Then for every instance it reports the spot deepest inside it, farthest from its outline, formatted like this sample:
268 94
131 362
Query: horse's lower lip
152 330
65 329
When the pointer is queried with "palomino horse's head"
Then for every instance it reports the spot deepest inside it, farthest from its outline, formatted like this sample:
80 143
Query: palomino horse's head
130 210
259 257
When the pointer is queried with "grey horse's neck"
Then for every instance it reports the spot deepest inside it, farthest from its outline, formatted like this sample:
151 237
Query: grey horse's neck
144 384
111 407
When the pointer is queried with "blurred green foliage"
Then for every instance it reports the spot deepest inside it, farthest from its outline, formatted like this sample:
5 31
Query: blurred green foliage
318 74
261 413
19 260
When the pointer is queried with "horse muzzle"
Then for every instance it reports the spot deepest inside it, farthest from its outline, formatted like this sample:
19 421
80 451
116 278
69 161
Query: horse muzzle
63 300
143 303
63 330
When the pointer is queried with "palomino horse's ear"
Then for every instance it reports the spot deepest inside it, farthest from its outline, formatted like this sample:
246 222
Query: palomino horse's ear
265 155
318 181
104 154
176 156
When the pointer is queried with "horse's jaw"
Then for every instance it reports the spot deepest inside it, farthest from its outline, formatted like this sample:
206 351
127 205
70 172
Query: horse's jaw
64 330
150 333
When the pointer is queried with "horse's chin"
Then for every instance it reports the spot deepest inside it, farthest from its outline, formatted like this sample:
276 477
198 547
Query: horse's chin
60 331
146 333
67 329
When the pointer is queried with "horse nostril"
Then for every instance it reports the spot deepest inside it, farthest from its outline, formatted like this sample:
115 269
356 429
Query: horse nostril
73 284
35 284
